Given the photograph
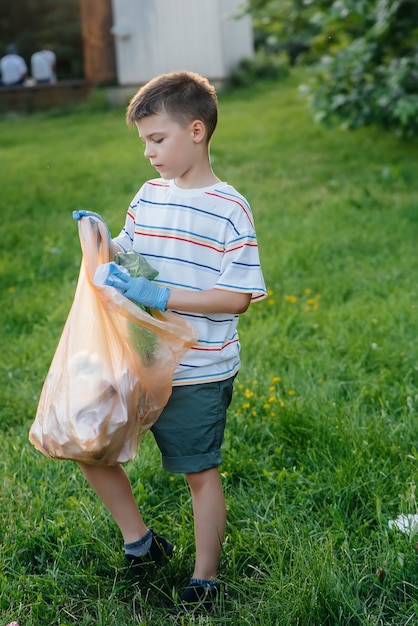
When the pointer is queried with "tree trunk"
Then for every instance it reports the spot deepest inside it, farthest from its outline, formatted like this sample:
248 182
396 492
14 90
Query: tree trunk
98 43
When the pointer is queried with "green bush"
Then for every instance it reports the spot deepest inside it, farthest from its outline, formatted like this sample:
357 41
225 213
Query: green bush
366 51
262 67
373 80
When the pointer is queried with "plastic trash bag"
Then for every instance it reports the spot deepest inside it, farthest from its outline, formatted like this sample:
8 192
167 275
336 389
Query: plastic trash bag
101 395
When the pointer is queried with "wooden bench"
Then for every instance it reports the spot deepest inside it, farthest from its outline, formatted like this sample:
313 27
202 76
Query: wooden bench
38 97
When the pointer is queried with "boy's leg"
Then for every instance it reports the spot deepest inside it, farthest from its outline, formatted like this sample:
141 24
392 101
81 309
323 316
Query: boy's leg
189 434
209 521
114 489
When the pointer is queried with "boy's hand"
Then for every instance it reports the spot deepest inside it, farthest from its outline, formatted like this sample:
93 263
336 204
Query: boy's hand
141 290
77 215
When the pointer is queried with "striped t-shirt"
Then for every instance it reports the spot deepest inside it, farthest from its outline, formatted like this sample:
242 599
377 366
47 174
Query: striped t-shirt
198 239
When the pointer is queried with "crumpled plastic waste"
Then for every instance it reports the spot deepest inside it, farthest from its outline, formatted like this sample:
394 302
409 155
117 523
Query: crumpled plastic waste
137 266
406 523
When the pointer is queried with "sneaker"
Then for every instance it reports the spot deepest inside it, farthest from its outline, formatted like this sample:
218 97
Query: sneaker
199 598
159 553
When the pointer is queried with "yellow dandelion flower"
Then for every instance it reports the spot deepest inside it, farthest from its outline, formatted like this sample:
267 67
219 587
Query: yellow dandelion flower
312 304
246 405
254 413
291 392
276 379
272 399
308 291
266 405
270 301
248 393
269 292
281 403
291 299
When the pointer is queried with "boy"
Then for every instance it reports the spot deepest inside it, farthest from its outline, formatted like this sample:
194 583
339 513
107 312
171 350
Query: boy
198 233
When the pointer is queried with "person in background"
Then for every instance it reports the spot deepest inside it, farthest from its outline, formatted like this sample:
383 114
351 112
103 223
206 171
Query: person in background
43 65
13 67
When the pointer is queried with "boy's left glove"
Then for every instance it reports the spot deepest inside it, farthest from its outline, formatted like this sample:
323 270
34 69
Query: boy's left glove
141 290
77 215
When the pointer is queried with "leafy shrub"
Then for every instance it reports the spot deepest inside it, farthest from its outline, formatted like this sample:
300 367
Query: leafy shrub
262 67
373 80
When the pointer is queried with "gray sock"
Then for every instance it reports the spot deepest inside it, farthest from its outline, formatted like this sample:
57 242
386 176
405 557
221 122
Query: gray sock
207 584
140 547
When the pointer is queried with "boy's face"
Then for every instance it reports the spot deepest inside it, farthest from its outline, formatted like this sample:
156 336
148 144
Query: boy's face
170 147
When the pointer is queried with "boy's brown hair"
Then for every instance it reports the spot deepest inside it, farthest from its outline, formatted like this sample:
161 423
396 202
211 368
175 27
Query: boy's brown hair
184 96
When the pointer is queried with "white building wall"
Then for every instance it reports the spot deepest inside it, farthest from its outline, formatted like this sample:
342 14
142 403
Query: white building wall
237 34
157 36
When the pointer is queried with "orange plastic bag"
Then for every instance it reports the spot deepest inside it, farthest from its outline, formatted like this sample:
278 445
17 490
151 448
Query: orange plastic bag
101 395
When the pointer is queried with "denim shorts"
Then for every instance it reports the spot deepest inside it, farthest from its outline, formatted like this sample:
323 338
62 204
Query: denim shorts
190 430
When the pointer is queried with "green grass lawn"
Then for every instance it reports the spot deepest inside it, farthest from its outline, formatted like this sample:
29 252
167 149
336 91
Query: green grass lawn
321 448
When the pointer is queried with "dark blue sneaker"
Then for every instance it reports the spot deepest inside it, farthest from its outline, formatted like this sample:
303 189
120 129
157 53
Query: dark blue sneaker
198 598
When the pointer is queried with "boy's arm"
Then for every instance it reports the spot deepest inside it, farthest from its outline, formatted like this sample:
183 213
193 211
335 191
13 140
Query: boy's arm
114 248
147 293
208 301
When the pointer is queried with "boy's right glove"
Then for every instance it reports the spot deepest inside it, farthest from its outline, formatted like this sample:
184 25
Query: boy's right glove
141 290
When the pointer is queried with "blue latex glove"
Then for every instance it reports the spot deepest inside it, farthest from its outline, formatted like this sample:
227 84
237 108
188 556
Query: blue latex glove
141 290
77 215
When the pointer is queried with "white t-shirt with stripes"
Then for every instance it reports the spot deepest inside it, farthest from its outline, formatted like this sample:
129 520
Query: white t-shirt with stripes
198 239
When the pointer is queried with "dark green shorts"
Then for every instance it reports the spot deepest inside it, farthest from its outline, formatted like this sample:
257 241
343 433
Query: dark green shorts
190 430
